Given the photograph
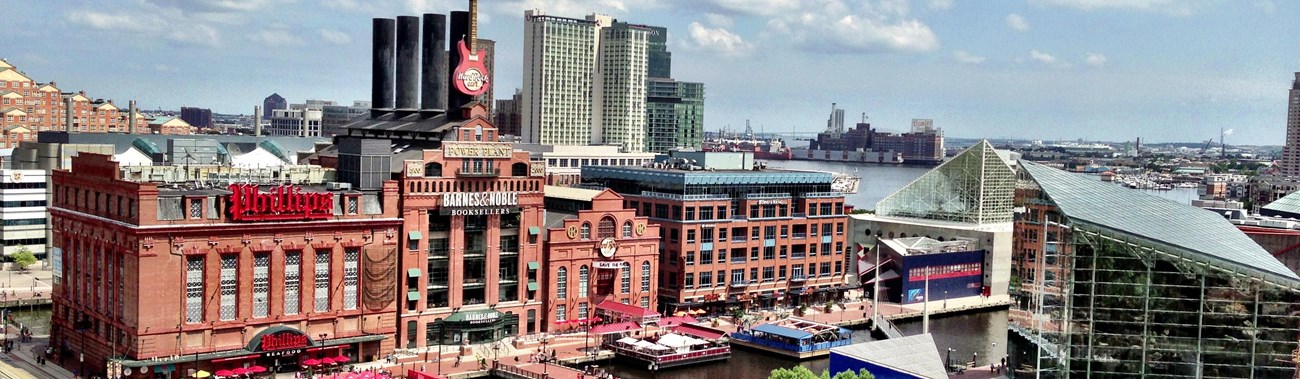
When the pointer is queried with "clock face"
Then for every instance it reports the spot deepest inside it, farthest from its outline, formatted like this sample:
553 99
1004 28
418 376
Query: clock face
608 247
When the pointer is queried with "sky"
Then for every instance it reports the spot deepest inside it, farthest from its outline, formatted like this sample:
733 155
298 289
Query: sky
1112 70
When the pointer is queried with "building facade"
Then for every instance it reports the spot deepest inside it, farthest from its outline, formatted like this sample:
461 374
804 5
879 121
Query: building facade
170 279
333 117
197 117
304 122
597 255
619 96
674 115
559 68
736 236
508 115
473 243
271 103
1290 164
22 194
564 163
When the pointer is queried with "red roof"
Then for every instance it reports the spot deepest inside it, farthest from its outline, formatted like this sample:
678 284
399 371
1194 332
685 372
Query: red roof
625 309
674 321
617 327
699 331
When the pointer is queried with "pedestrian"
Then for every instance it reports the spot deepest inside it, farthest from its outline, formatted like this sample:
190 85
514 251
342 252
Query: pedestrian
422 368
1004 362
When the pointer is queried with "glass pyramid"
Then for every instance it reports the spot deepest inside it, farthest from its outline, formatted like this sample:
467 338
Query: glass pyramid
976 187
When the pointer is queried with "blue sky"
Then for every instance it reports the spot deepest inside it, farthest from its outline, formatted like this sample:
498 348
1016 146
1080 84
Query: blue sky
1163 70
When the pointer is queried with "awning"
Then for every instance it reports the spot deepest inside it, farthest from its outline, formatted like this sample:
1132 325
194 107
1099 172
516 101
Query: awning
413 273
625 309
238 352
699 331
414 234
532 285
489 314
618 327
534 230
533 265
674 321
781 331
413 296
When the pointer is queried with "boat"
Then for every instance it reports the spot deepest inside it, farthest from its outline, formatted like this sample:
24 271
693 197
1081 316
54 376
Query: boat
773 149
793 337
682 345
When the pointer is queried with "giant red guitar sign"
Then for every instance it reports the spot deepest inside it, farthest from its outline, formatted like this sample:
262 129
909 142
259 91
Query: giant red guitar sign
471 75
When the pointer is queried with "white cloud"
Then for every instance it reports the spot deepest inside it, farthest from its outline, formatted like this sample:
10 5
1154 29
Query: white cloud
108 21
1017 22
335 36
938 4
1042 57
749 7
719 20
1175 7
1266 6
965 57
196 34
164 68
1095 59
837 27
276 37
718 39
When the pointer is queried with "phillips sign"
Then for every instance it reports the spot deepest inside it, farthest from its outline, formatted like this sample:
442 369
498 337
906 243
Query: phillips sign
283 203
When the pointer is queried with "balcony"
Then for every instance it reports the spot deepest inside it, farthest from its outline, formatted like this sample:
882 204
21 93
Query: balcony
798 278
475 252
482 173
800 235
738 285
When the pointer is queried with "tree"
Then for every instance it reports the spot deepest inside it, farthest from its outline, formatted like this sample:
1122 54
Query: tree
801 372
23 257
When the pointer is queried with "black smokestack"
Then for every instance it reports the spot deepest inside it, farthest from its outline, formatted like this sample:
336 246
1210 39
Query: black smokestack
408 62
434 71
382 79
459 31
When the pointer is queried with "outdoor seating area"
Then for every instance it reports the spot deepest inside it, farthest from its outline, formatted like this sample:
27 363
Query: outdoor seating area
669 350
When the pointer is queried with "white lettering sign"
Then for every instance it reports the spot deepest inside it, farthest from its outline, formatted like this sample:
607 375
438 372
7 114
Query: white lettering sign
480 199
481 318
477 150
610 265
478 211
770 202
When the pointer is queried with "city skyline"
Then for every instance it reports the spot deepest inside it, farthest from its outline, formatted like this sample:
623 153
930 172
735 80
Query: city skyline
1050 69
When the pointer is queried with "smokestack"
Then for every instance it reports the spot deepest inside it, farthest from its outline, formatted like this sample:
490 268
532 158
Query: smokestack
408 62
434 70
459 31
257 120
67 120
381 65
130 117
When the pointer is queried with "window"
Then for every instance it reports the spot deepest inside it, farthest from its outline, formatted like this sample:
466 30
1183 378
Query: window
322 288
645 302
229 286
706 256
768 274
769 232
785 231
737 276
645 276
194 290
196 208
584 276
839 228
796 272
769 252
753 235
690 236
292 279
780 273
606 228
586 230
690 281
561 312
706 279
722 234
351 256
706 213
753 274
626 281
690 258
706 234
627 229
261 284
826 269
690 213
561 283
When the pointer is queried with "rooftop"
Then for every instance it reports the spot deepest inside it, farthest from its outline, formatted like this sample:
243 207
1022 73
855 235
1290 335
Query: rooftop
916 354
923 245
1197 231
707 177
571 193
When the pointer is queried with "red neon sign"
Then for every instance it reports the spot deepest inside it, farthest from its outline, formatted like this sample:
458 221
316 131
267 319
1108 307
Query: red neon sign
248 203
284 340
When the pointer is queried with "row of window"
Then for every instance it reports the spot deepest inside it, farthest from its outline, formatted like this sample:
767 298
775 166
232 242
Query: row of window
605 229
562 310
768 253
584 278
228 290
25 241
24 203
764 274
768 232
25 221
719 212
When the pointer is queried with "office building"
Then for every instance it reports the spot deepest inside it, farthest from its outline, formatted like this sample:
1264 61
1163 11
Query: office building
508 115
334 116
299 122
1290 162
22 193
674 115
659 61
559 73
489 61
736 234
271 103
564 163
194 276
1109 286
197 117
619 96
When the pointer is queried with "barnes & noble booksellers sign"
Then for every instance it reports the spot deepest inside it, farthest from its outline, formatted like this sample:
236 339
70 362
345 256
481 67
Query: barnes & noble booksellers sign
479 203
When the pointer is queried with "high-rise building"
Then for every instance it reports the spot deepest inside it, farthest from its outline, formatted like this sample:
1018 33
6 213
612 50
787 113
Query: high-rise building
659 61
1291 150
273 102
674 114
508 114
619 112
488 98
559 66
333 117
197 117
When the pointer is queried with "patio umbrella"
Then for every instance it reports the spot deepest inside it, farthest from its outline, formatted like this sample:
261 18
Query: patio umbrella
239 371
341 359
679 314
597 319
311 362
327 361
224 373
202 374
255 369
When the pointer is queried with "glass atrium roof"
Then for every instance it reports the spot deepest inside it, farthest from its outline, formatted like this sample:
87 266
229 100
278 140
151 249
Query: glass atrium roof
1288 204
976 186
1154 218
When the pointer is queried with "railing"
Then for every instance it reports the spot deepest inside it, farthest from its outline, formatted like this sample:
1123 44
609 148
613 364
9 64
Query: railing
739 284
801 348
513 372
799 278
800 235
443 185
738 259
680 197
669 358
811 195
483 173
767 196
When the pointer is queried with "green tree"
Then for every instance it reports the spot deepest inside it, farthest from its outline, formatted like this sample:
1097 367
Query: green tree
801 372
23 257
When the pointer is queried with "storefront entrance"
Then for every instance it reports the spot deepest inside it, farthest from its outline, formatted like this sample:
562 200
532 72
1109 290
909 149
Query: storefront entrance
474 327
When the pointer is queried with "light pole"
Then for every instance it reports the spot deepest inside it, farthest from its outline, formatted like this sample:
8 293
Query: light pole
544 342
948 362
496 353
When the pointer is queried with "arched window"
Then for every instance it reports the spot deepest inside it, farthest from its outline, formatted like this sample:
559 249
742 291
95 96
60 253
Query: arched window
606 228
433 169
519 169
626 286
586 230
627 229
902 235
891 235
561 283
583 276
645 276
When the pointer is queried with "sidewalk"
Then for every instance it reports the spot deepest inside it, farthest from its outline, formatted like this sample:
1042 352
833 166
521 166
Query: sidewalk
21 362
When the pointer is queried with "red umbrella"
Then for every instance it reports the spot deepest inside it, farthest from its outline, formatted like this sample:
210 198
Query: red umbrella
223 373
311 362
256 369
597 319
341 359
326 361
238 371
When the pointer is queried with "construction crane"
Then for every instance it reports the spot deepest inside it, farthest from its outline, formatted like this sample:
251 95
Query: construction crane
1208 142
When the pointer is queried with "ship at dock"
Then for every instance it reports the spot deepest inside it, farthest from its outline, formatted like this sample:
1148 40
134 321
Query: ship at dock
923 145
774 149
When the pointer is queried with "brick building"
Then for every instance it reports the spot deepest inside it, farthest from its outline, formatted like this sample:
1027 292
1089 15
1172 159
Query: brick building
600 258
734 235
172 278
